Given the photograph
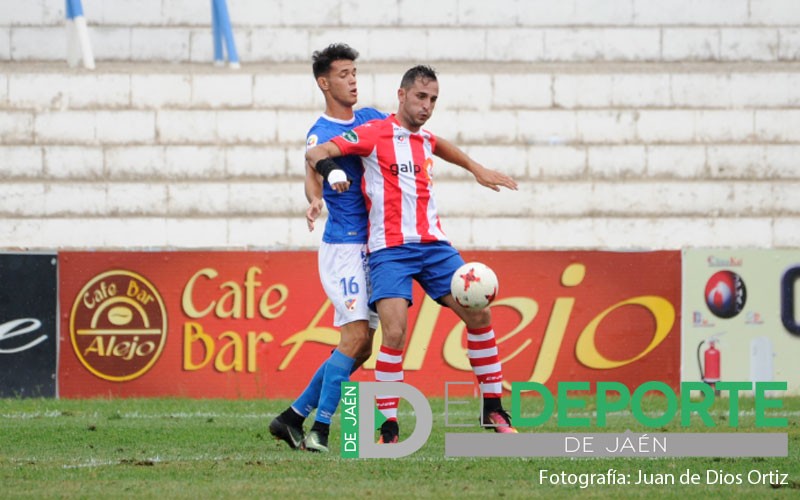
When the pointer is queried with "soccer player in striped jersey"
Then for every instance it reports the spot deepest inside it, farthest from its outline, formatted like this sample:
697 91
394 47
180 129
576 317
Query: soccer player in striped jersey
406 240
342 258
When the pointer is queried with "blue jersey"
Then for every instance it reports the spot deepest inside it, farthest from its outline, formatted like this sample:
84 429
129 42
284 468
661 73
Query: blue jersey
347 212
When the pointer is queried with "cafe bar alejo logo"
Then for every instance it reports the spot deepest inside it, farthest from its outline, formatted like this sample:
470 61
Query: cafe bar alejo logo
118 325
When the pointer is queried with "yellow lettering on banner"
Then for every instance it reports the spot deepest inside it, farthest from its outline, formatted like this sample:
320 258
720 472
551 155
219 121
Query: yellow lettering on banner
266 308
422 334
232 348
234 294
124 350
312 333
455 354
572 276
586 349
188 292
551 343
193 332
141 295
133 288
91 299
234 345
250 285
236 301
527 309
253 339
96 346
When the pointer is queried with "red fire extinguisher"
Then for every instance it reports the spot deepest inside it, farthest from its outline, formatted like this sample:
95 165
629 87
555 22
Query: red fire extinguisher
710 369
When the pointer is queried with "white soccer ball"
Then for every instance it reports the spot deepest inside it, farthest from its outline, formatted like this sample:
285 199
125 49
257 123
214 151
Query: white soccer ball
474 285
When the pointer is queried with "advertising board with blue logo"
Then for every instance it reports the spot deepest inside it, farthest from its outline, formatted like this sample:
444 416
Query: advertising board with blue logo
741 316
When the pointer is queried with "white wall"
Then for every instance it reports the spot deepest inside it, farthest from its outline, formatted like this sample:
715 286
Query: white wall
629 124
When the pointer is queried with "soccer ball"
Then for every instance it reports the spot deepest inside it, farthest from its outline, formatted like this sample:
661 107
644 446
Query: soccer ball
474 285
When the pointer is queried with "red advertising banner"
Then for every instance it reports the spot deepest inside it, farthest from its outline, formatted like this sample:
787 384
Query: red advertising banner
257 324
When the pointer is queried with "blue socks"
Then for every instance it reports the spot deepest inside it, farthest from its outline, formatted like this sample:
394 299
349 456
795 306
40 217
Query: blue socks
324 389
307 401
337 370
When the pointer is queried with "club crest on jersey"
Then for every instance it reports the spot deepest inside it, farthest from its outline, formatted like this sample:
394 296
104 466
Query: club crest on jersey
427 169
312 141
350 136
350 304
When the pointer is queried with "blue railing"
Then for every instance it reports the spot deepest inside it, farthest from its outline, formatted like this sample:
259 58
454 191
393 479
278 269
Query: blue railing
74 9
78 43
78 36
221 25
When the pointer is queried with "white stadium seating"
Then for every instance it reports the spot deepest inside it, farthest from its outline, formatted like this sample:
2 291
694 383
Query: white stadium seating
629 124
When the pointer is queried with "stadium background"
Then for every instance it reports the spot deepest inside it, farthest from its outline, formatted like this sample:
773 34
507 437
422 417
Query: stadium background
631 125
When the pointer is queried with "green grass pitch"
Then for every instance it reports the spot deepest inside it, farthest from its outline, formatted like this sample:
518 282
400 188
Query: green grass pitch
180 448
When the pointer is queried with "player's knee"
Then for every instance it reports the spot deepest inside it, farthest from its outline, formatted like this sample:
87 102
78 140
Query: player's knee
355 338
365 348
394 337
478 318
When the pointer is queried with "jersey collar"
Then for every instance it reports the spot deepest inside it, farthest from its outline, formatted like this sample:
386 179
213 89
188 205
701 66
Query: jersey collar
337 120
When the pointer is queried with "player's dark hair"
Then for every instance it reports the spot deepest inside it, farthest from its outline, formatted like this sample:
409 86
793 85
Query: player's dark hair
420 71
323 59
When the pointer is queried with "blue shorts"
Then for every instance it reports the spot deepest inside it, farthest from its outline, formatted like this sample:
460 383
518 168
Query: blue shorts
431 264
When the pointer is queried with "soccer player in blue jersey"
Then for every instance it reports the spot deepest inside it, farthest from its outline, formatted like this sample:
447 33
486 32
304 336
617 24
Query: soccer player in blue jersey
342 254
342 257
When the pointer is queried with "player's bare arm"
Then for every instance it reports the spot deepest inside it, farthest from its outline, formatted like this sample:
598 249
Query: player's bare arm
313 188
485 177
335 176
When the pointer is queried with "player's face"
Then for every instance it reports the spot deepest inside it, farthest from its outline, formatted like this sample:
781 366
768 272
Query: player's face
417 102
341 82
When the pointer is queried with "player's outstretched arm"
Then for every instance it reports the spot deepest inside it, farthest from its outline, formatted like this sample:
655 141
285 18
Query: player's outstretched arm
313 188
318 159
485 177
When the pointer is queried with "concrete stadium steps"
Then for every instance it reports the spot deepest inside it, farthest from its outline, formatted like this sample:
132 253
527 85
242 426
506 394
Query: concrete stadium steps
444 30
607 155
289 233
509 104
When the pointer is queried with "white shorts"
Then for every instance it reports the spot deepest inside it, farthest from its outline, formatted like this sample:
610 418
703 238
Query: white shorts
344 272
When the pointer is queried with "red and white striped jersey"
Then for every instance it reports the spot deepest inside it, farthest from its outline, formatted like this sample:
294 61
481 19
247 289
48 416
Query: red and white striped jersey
398 167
